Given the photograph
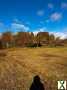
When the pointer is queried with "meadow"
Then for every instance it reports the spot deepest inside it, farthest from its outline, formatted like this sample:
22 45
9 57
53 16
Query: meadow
18 66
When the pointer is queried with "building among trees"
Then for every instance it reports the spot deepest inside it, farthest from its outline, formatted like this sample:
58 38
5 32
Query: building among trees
28 39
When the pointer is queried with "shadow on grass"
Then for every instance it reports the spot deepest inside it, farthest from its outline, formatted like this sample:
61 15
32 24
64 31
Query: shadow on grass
52 56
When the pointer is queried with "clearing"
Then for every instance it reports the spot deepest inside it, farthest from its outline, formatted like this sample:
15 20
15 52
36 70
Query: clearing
18 66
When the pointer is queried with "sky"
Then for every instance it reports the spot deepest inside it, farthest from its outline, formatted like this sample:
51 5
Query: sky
34 16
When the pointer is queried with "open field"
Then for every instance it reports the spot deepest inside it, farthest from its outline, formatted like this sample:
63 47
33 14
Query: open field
19 66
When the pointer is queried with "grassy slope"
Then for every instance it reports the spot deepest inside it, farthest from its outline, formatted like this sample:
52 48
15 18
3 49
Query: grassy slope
19 66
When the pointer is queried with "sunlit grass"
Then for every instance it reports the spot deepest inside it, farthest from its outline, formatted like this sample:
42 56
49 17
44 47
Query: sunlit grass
19 66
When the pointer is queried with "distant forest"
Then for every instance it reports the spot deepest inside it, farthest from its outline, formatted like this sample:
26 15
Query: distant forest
28 39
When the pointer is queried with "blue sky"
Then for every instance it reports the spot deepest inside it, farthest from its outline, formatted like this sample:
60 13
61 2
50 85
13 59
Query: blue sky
34 15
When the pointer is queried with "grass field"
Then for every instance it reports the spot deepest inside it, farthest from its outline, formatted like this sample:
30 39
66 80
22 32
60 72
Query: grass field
19 66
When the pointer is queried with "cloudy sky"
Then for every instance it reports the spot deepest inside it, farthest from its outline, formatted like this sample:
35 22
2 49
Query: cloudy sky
34 15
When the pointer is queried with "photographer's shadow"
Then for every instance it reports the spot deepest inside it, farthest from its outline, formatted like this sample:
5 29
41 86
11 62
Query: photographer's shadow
37 84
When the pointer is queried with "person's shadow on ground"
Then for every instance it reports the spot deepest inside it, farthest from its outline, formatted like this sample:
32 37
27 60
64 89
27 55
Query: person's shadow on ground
37 84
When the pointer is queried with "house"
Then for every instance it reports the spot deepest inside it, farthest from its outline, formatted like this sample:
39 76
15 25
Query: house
43 38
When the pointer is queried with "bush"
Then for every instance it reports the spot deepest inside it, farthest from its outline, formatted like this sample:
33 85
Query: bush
39 45
32 45
1 46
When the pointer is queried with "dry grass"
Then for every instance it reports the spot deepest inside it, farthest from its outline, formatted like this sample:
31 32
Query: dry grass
19 66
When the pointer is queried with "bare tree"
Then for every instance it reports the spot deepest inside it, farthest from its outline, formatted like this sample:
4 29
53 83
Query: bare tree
7 39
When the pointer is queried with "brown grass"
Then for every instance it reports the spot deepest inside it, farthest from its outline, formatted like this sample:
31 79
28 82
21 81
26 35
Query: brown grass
19 66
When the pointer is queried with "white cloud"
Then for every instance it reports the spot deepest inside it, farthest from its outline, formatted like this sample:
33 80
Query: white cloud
17 21
44 21
28 23
42 29
1 24
50 5
2 27
35 32
55 16
47 21
40 12
63 5
39 30
65 29
41 22
62 35
19 26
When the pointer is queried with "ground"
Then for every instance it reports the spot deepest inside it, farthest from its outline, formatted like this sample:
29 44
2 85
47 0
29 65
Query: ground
18 66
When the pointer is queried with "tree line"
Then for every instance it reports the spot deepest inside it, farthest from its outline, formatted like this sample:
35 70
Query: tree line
28 39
